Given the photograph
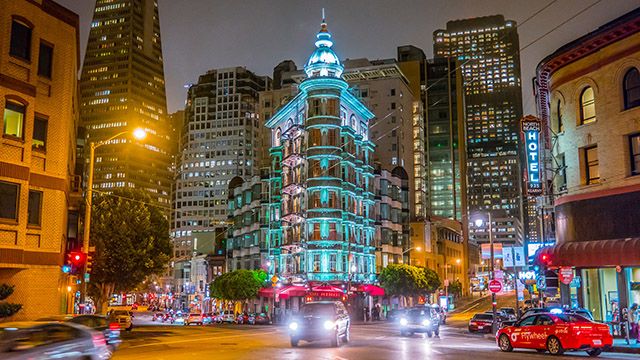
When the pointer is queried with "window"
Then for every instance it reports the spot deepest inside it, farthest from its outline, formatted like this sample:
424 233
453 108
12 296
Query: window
393 105
35 208
9 200
631 88
39 133
562 173
20 40
528 321
587 106
592 171
560 127
634 147
14 119
393 92
45 60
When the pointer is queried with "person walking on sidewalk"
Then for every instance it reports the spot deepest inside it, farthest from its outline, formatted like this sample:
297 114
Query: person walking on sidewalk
633 321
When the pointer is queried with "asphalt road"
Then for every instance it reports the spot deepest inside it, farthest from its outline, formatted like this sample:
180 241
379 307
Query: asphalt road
368 342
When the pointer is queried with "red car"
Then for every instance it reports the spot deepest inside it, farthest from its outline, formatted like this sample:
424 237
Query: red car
555 333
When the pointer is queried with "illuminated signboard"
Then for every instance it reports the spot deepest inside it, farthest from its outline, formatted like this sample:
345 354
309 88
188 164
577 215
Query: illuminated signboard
531 131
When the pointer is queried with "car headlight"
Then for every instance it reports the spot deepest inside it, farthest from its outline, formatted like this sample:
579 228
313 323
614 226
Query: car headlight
403 322
426 322
293 326
328 325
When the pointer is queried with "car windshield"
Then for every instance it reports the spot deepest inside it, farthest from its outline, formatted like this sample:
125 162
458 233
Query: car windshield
572 318
483 317
317 309
416 312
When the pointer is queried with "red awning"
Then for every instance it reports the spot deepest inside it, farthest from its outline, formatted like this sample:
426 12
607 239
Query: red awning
326 291
597 253
284 292
372 290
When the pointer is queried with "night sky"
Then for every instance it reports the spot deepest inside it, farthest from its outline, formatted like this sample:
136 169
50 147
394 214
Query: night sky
198 35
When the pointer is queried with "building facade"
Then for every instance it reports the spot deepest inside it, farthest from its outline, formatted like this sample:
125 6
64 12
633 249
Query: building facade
39 61
220 140
588 98
487 49
122 88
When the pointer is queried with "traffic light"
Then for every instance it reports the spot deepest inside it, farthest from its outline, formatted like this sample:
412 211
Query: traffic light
90 257
545 259
76 259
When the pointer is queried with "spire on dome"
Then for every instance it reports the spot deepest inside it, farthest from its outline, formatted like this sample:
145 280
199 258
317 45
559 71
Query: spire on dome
323 61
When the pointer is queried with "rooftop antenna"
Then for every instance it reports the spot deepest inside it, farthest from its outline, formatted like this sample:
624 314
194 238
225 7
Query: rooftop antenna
323 17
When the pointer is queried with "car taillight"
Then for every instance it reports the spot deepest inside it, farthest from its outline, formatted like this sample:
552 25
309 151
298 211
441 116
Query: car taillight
114 326
98 340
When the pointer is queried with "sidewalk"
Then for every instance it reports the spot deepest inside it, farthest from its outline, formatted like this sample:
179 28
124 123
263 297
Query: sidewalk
466 302
620 346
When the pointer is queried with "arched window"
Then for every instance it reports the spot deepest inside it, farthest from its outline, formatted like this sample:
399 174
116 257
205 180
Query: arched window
560 124
631 88
276 138
587 106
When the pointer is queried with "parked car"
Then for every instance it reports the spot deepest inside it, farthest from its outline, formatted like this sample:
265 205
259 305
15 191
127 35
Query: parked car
226 317
556 333
122 317
111 331
559 310
321 320
51 341
420 320
262 319
509 313
194 318
208 318
482 322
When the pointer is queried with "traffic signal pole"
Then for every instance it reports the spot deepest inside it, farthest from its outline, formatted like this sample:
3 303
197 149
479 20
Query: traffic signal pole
87 221
493 275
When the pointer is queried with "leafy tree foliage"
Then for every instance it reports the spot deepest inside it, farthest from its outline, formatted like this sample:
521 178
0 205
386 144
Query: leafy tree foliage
7 309
131 238
407 280
238 285
455 288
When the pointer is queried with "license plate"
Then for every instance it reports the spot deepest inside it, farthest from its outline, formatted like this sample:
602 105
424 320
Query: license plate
480 327
597 342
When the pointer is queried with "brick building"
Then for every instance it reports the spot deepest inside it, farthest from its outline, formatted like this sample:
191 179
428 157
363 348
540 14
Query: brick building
38 67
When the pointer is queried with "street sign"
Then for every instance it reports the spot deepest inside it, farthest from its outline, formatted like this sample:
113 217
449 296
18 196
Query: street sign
495 286
520 293
542 282
565 275
86 277
576 282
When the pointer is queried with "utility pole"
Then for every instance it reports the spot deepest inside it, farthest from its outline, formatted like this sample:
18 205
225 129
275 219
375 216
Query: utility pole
493 274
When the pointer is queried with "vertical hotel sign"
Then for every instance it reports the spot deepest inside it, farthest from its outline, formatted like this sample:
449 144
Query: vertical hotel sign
531 127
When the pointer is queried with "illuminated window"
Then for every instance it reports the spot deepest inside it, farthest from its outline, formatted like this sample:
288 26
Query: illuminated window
631 88
14 119
587 106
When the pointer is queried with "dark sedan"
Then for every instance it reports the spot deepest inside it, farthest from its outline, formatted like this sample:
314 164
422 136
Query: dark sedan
321 320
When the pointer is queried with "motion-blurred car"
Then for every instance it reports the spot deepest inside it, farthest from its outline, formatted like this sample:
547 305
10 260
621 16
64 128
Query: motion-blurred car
123 318
556 333
262 319
481 322
111 331
321 320
194 318
51 341
420 320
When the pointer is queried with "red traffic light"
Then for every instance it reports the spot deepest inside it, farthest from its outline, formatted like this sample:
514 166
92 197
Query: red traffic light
77 258
545 259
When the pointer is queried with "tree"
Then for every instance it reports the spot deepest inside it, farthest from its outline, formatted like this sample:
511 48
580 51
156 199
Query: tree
401 280
238 285
6 308
431 281
131 237
455 288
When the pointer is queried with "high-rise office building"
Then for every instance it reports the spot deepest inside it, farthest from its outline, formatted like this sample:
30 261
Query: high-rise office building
122 88
445 142
219 141
487 49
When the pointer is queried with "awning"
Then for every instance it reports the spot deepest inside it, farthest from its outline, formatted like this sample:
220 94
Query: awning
326 291
284 292
372 290
597 253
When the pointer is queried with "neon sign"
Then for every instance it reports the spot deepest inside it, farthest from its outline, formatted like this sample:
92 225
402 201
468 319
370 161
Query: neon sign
531 131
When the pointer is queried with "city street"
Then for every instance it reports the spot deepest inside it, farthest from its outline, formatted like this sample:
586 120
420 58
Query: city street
374 341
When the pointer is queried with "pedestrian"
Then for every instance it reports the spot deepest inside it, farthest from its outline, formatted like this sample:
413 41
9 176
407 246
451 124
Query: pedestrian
633 321
624 324
615 318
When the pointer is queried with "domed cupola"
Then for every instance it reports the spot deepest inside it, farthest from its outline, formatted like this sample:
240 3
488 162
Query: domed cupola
324 62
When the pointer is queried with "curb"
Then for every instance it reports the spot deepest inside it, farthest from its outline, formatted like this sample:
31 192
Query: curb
625 350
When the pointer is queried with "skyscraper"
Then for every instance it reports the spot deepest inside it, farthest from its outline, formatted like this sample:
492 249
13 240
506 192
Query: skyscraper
220 140
487 49
121 88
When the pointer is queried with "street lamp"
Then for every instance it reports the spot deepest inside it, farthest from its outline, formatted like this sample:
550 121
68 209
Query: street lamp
479 222
138 134
417 248
446 278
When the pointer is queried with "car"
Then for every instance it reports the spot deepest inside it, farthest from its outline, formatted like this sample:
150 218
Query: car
111 331
321 320
395 314
509 313
226 317
262 319
194 318
556 333
207 318
481 322
420 320
442 313
51 341
122 317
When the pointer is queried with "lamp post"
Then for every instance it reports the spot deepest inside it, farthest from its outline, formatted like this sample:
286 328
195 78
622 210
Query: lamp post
446 278
479 223
139 134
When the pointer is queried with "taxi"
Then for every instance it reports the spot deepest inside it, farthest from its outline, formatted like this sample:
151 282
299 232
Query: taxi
556 333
